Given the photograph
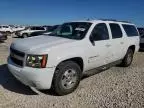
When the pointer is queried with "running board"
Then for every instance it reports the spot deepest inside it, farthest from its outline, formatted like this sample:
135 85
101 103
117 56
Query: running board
101 68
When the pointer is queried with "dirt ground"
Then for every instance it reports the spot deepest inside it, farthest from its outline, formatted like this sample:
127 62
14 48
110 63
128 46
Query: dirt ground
116 87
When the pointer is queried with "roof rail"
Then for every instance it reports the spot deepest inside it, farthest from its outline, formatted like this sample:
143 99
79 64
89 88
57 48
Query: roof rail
114 20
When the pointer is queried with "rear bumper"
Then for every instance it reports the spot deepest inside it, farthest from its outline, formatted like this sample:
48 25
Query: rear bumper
37 78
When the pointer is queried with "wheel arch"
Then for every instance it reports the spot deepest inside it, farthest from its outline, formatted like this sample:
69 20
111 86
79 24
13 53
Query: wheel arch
78 60
132 47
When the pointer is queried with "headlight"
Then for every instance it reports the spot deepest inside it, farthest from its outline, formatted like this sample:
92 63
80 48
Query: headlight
36 61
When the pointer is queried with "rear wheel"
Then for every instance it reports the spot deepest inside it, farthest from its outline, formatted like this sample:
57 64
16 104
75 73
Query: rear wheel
128 58
66 78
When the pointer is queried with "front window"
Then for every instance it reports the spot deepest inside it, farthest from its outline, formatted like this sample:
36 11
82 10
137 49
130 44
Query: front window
39 28
73 30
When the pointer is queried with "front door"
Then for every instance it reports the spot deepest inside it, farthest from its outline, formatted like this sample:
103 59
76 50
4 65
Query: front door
100 49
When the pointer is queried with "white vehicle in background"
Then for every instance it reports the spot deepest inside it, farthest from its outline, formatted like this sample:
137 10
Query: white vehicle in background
31 31
18 28
59 60
7 29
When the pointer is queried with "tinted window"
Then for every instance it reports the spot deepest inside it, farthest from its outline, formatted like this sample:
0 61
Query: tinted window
116 31
51 29
67 30
39 28
5 26
47 28
100 32
130 30
32 28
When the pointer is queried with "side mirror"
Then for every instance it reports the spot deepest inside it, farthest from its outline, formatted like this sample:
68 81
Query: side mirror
92 40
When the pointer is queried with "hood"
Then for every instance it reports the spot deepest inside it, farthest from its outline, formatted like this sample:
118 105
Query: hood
39 42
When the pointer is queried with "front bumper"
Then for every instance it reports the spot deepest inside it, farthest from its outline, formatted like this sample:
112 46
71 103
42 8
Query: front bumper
33 77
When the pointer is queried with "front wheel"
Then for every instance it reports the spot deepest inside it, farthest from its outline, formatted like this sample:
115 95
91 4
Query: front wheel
66 78
128 58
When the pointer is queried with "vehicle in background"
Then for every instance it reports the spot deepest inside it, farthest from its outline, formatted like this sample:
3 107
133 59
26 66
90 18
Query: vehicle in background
50 30
30 31
59 61
47 27
6 28
38 33
141 32
3 36
18 28
42 32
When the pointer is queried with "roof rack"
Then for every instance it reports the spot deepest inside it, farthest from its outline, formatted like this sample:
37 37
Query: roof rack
114 20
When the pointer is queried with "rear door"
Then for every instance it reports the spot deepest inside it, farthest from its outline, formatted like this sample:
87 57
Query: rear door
118 42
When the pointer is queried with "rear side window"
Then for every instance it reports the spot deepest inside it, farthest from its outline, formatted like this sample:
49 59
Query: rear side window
130 30
116 30
39 28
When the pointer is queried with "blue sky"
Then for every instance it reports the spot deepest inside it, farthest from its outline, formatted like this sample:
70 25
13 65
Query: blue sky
58 11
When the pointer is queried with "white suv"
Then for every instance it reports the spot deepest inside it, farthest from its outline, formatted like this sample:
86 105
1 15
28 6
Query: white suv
6 28
30 31
60 59
18 28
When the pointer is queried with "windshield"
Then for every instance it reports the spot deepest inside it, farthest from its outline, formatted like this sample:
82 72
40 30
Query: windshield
73 30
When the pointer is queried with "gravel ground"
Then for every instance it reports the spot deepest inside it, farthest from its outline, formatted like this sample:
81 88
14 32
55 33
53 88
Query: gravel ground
116 87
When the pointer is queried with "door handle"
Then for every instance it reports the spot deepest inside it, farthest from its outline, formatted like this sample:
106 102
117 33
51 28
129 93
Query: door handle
121 42
107 45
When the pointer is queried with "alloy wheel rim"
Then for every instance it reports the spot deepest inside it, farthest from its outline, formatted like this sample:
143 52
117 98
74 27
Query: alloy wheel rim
129 58
68 79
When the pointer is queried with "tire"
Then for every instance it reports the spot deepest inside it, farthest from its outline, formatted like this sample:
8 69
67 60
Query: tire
62 84
128 58
25 35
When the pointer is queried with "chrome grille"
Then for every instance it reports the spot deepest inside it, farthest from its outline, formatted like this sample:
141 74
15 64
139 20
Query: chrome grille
17 56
